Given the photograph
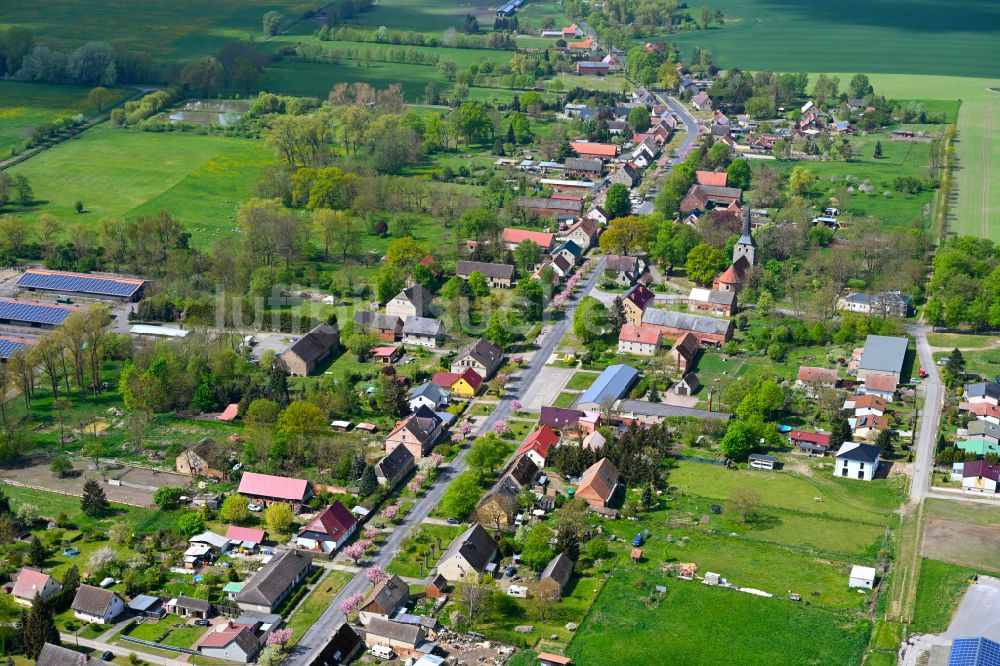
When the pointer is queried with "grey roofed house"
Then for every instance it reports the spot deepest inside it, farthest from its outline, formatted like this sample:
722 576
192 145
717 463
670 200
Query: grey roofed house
475 545
580 164
617 125
388 595
376 320
568 205
559 569
496 271
93 601
481 352
394 465
431 391
883 354
212 539
714 296
310 349
269 586
418 295
423 326
686 321
56 655
659 410
411 634
859 452
981 428
190 603
341 648
523 470
983 390
622 263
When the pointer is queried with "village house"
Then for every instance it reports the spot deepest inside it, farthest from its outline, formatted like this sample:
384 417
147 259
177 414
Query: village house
418 432
414 301
652 413
866 427
465 385
598 215
194 461
216 543
387 327
865 404
401 638
384 599
598 483
687 385
592 68
499 506
639 340
712 301
469 553
713 178
267 588
812 443
635 302
857 461
482 356
816 377
627 174
56 655
309 351
544 240
702 102
981 477
584 233
575 167
230 642
560 419
423 332
707 197
594 441
883 356
428 395
982 392
183 606
386 355
541 207
267 489
673 324
328 531
393 467
984 430
97 605
616 127
555 576
569 251
536 446
498 276
684 353
983 411
624 270
31 583
599 151
245 538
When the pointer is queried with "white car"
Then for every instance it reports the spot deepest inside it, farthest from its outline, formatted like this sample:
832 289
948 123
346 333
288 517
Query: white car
255 507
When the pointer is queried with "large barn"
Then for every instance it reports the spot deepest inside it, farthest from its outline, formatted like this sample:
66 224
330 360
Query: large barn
108 287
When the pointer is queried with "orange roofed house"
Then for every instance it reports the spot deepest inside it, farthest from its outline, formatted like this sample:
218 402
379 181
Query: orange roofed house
537 445
514 237
600 151
598 483
714 178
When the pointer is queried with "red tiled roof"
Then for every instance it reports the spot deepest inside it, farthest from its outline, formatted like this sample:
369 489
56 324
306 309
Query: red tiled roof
383 351
427 261
30 582
812 374
868 402
567 197
235 533
586 225
588 148
880 383
644 334
640 295
539 441
279 487
472 377
811 437
229 413
585 44
640 137
335 520
445 379
540 238
218 639
981 409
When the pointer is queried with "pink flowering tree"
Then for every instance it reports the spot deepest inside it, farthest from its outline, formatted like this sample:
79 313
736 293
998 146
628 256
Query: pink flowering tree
365 544
413 487
438 458
501 428
279 637
390 512
352 603
371 534
457 437
502 379
375 575
354 551
465 429
516 405
518 359
420 479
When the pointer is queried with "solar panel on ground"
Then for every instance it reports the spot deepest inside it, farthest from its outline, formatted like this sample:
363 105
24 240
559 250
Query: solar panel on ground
37 313
83 284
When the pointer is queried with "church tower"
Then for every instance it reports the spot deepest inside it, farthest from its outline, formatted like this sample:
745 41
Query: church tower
746 246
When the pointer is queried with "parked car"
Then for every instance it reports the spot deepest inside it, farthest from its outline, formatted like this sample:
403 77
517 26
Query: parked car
453 521
637 541
255 507
202 623
108 655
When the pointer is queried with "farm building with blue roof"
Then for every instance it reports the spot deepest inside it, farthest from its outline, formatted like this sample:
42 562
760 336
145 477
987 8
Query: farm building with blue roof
29 314
82 284
610 385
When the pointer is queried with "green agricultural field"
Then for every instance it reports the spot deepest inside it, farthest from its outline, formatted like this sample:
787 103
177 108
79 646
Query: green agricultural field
985 363
25 106
960 340
885 37
698 625
115 173
841 498
424 15
174 30
461 57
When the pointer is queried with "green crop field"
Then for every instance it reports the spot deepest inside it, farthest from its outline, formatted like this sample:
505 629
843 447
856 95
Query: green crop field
424 15
25 106
461 57
696 624
859 35
176 30
198 179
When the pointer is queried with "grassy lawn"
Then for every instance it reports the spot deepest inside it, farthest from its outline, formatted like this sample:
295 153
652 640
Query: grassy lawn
625 616
177 30
952 340
985 363
25 106
887 635
939 592
316 602
481 409
581 381
200 180
565 399
874 502
519 430
407 562
183 637
613 83
963 512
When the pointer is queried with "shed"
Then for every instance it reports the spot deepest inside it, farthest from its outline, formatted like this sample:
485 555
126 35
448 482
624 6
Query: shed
862 577
758 461
438 587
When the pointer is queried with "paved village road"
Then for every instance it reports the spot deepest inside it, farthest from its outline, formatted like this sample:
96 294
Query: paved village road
923 463
319 633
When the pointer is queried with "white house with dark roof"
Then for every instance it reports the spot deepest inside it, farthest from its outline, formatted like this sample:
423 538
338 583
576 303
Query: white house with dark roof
413 301
268 587
97 605
470 552
423 332
857 461
429 395
482 356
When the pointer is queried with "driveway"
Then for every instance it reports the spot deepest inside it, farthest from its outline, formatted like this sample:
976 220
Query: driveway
549 384
979 612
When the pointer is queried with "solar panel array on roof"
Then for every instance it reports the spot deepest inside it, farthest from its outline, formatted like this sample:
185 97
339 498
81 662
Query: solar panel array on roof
75 282
974 652
36 313
8 347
